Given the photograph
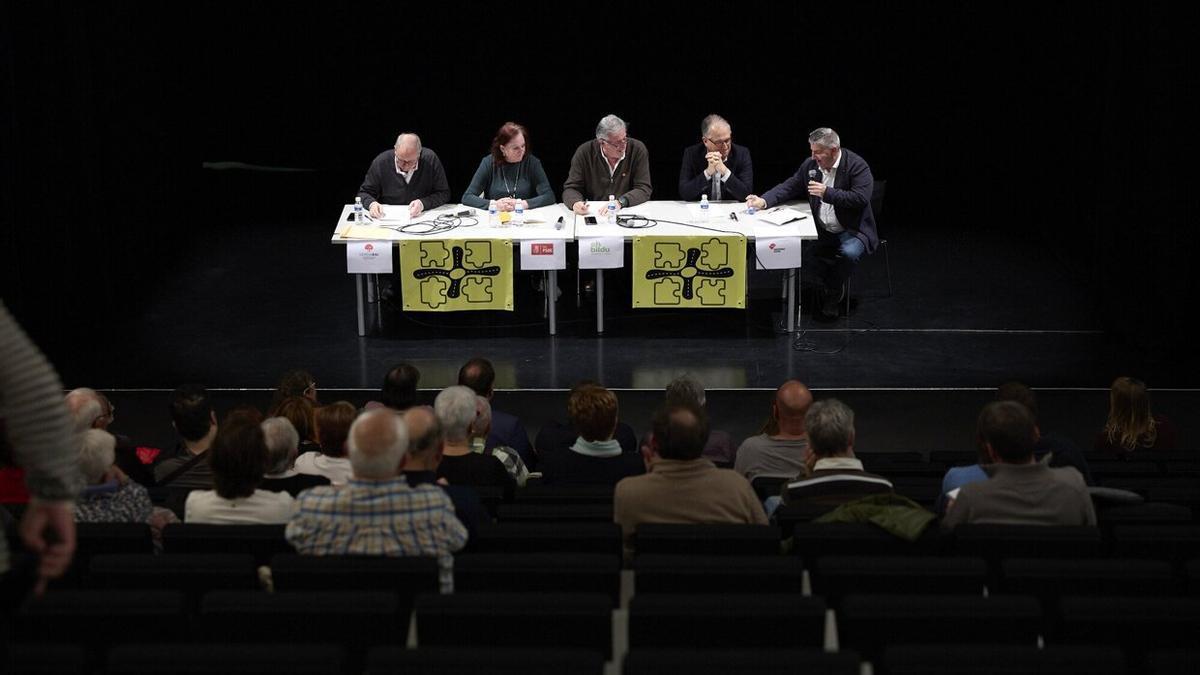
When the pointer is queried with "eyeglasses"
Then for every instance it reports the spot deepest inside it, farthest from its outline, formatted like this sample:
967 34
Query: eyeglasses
619 145
720 143
310 387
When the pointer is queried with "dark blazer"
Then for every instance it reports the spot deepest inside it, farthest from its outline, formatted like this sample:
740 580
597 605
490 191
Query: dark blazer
507 430
692 182
383 184
850 195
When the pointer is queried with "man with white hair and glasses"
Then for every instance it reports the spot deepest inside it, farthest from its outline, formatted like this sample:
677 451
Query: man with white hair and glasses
611 164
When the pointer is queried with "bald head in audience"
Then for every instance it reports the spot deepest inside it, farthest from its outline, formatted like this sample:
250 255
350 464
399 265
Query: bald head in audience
424 440
792 401
377 444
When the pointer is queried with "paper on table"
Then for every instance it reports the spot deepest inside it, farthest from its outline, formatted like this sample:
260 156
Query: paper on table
394 213
780 215
367 232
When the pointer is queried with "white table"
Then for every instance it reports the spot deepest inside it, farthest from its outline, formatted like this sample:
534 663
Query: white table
539 224
684 218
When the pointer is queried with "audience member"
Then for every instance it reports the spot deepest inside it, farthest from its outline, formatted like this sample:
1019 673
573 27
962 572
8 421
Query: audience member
507 430
239 460
282 443
195 421
92 410
399 390
421 462
833 475
509 457
1020 490
556 437
455 408
595 457
110 496
780 454
688 391
12 477
333 426
303 416
376 512
294 383
681 486
1131 426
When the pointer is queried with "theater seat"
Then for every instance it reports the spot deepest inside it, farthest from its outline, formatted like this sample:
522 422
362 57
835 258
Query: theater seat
261 541
742 661
563 620
953 659
548 538
723 621
655 573
538 573
298 657
478 660
711 539
834 577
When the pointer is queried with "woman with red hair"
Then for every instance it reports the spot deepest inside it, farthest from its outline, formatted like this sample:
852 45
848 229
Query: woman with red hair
509 174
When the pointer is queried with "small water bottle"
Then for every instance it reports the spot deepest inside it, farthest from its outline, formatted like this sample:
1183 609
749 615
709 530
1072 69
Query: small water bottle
358 211
750 210
704 209
612 210
492 213
519 214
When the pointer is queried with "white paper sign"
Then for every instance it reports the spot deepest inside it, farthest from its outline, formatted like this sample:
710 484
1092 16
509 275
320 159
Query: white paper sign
777 253
546 254
369 257
601 253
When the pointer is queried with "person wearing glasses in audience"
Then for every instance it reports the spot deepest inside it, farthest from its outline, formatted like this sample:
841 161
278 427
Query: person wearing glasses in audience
510 174
611 164
715 166
408 174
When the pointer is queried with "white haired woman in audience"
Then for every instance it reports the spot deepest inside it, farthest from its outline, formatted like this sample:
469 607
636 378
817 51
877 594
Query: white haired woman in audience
110 497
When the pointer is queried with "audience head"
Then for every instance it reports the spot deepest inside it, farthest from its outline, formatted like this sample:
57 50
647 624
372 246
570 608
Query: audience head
1130 422
238 458
301 413
479 375
510 145
295 383
830 425
97 452
282 442
792 402
89 409
455 408
378 441
1015 391
685 390
680 432
333 425
245 413
1007 431
424 439
593 411
399 390
192 412
483 418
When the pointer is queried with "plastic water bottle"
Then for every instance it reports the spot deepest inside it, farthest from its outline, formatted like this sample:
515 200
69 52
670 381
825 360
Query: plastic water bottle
705 211
612 210
750 210
492 213
519 214
358 211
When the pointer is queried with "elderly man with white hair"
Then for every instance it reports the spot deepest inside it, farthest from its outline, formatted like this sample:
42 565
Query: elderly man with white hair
376 512
283 443
91 409
457 409
610 164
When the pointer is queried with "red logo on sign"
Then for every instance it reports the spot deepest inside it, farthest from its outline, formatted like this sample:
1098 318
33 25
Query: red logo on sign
771 246
369 247
541 249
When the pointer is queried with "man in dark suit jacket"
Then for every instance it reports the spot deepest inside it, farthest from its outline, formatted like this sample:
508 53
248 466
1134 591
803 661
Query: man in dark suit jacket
716 167
507 429
838 185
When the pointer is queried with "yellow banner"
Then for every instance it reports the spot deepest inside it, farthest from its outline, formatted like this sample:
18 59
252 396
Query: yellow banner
443 275
692 272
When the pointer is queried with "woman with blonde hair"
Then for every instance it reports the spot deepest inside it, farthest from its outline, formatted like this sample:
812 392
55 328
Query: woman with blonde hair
1131 426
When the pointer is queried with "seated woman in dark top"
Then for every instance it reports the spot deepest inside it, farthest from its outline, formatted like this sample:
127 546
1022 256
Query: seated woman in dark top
509 174
1131 427
596 456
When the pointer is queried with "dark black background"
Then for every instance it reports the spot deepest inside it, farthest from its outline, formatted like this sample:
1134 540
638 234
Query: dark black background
1069 126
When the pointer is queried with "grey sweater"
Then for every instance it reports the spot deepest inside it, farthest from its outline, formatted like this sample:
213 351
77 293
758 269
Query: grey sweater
589 179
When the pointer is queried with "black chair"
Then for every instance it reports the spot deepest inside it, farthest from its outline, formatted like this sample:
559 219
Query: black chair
714 621
1050 579
44 658
1173 543
834 577
193 574
565 620
878 191
922 489
406 577
565 494
525 512
1118 468
749 662
951 659
811 540
717 574
1173 662
708 539
1143 514
768 486
539 573
548 538
92 539
954 457
993 542
1135 624
868 623
902 457
261 541
476 660
222 658
99 619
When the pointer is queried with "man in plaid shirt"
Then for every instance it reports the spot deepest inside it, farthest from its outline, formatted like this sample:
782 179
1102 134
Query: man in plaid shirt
376 512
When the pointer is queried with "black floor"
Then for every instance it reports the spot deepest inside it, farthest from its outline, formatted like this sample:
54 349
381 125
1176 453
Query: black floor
258 292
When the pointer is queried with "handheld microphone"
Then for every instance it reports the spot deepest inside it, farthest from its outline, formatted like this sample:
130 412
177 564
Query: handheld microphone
815 175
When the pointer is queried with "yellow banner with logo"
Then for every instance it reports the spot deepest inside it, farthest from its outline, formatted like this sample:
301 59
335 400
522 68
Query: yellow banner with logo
692 272
444 275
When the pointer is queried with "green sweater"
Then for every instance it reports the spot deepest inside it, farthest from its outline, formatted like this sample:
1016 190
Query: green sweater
524 180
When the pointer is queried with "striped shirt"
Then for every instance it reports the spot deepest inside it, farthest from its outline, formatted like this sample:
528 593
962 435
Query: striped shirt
389 518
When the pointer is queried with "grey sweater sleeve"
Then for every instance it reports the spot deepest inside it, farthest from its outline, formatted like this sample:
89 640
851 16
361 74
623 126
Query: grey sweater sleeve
39 428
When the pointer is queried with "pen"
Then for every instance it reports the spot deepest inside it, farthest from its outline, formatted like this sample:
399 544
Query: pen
733 215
